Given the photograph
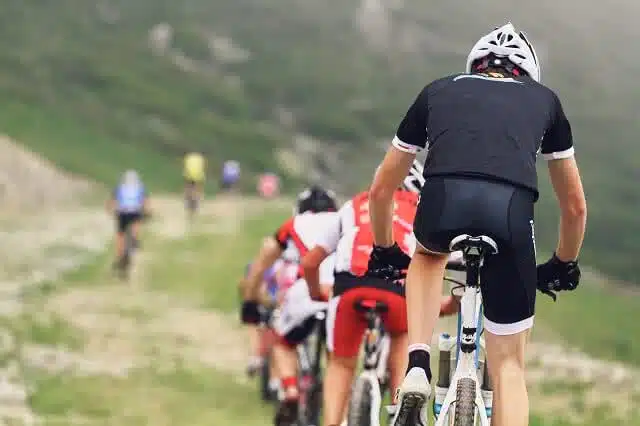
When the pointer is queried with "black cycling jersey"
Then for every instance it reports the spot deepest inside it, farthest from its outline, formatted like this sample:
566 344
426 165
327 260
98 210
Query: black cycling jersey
487 126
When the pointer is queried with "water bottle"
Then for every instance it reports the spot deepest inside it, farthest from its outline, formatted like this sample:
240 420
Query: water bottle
445 344
486 390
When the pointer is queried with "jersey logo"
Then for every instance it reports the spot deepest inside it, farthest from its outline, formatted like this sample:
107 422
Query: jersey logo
487 77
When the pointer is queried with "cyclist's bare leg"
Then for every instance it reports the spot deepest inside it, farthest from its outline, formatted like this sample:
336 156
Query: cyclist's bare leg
337 387
199 188
135 230
397 361
119 245
187 190
286 360
255 344
505 356
450 305
424 294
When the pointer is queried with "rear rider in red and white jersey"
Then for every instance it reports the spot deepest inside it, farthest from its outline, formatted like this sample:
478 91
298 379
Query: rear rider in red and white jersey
316 210
351 239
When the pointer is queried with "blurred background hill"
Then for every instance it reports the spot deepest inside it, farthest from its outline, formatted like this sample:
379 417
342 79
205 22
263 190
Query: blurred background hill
312 90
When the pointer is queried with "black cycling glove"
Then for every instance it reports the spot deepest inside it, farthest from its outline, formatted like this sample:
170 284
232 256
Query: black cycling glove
556 275
387 262
250 312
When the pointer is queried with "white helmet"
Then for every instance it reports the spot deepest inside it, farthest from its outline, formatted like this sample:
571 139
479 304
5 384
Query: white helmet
130 177
505 42
414 180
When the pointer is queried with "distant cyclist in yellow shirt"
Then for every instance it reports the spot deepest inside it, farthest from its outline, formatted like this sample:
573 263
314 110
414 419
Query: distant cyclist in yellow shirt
194 177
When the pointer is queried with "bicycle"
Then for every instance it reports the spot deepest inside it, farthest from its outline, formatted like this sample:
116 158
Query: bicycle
310 376
370 386
124 263
464 389
191 205
267 337
131 244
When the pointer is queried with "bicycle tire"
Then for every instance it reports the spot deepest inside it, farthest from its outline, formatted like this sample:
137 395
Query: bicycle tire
359 411
314 406
465 403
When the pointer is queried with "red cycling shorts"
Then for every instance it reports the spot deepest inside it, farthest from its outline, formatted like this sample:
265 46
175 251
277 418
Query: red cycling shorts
346 326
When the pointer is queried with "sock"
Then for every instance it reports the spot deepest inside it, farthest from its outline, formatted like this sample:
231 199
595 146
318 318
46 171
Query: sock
290 387
419 357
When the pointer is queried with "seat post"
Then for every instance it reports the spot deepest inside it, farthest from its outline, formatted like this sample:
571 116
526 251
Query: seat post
473 263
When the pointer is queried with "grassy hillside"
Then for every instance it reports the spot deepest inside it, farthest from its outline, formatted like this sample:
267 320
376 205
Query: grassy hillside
82 85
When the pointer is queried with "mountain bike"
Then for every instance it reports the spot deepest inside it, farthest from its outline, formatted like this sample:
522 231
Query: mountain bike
310 376
267 338
192 201
371 384
124 263
461 397
131 244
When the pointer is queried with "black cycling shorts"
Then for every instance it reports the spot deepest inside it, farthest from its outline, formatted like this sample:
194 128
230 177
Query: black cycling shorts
125 220
451 206
301 332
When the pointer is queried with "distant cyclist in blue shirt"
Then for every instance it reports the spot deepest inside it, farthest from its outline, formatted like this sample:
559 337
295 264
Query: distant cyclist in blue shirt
230 174
129 203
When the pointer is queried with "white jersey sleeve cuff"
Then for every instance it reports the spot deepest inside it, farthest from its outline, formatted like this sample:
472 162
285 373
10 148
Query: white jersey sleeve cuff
405 147
559 155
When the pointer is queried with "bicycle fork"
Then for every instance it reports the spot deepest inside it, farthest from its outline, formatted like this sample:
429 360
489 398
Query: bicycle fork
466 367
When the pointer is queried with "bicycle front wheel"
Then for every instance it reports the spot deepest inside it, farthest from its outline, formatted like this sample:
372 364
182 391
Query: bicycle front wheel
359 413
465 405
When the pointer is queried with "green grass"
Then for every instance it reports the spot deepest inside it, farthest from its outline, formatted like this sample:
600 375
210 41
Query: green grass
209 268
597 320
186 396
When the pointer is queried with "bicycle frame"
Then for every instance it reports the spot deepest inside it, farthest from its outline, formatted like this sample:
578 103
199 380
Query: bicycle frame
309 359
377 344
467 348
469 343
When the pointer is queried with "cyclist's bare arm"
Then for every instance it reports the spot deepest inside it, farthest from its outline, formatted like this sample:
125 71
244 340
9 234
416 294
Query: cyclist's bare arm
389 177
565 178
311 267
270 251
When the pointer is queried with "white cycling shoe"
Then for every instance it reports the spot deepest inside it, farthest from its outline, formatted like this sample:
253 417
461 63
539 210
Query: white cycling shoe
412 397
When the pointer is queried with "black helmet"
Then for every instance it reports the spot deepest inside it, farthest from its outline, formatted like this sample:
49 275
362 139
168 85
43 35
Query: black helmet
316 199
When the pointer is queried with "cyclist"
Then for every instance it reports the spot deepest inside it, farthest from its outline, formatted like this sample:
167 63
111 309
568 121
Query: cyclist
316 208
483 130
268 295
129 203
194 176
230 174
350 238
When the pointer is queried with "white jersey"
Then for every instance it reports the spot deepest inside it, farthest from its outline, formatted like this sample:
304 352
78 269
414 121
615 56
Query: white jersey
303 232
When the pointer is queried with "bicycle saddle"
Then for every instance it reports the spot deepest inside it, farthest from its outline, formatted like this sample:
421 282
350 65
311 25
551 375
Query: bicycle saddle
369 305
479 246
